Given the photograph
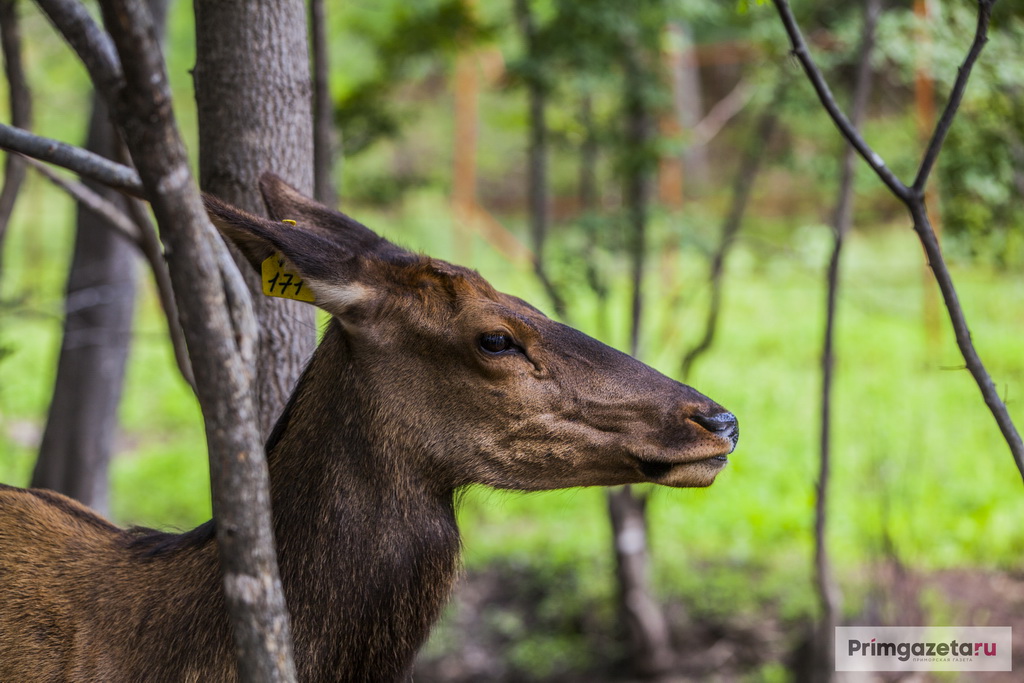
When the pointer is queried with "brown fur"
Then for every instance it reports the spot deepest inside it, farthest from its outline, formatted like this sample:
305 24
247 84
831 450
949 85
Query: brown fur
398 409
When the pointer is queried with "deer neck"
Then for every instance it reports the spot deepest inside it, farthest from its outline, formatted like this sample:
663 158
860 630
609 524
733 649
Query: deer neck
368 551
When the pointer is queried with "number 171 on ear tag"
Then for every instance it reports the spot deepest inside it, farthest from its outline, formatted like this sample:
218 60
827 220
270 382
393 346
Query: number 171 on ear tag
281 281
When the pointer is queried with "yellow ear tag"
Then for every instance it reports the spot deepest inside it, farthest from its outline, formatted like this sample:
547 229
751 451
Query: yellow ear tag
281 281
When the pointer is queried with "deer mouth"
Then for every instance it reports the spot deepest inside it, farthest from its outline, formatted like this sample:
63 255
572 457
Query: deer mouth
689 473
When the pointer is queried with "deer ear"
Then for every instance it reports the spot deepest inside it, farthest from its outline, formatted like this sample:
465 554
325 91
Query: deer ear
328 269
259 238
284 202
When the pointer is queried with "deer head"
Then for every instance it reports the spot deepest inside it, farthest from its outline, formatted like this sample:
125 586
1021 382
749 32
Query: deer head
479 386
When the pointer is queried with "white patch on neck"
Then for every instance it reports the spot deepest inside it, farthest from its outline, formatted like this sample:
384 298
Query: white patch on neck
338 298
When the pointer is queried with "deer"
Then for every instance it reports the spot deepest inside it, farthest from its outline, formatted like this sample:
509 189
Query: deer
427 380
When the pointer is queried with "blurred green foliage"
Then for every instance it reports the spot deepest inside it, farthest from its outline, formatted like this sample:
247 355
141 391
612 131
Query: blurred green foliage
920 468
981 174
415 38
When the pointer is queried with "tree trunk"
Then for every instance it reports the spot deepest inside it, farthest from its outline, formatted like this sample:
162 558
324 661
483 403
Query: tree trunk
324 138
589 199
829 595
743 185
537 158
20 102
253 98
650 643
689 107
79 437
651 646
78 441
637 192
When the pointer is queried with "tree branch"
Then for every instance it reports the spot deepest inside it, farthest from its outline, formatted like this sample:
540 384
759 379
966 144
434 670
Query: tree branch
221 340
829 595
84 163
153 250
722 112
955 96
92 44
20 108
139 231
99 205
914 200
848 130
743 184
989 392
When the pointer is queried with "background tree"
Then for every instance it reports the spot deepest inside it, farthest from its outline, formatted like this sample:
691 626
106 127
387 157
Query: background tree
244 131
140 98
731 568
829 596
79 438
20 103
324 135
913 197
78 441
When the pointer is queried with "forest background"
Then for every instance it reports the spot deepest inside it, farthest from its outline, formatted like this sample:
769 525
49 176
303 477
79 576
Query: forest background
432 106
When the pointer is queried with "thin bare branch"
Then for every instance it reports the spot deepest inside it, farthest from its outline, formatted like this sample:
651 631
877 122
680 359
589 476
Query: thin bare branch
153 250
828 100
914 200
955 96
750 166
88 39
96 203
989 392
722 112
829 595
84 163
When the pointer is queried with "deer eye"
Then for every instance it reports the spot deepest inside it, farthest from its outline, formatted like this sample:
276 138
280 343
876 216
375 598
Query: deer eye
496 342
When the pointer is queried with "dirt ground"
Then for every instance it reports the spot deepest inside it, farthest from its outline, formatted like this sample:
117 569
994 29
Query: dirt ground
507 624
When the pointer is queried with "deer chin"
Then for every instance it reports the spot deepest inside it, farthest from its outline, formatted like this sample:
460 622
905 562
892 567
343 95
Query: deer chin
689 474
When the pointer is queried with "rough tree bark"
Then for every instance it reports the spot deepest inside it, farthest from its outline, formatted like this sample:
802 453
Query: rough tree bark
20 102
78 440
216 316
253 98
219 326
913 196
829 595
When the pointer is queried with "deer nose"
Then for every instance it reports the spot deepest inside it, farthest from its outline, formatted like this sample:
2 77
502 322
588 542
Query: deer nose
720 424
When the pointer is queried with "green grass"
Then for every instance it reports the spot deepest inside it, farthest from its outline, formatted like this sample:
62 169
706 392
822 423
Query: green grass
914 447
916 452
918 461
